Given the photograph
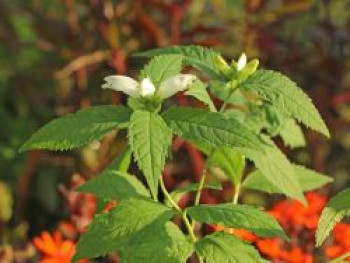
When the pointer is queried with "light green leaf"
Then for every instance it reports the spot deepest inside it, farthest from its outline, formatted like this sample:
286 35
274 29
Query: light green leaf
199 90
286 96
292 135
74 130
231 162
224 247
238 216
162 67
179 192
149 139
336 209
199 57
308 180
112 230
122 161
114 185
277 169
158 243
212 129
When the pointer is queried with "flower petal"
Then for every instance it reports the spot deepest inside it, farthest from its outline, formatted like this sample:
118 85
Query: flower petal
147 88
242 61
175 84
122 83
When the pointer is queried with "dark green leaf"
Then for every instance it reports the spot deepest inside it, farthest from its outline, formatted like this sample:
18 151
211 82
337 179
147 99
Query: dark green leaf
199 57
112 230
158 243
239 217
286 96
77 129
224 247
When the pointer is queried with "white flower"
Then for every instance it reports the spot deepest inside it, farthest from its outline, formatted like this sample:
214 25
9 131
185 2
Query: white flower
146 88
242 61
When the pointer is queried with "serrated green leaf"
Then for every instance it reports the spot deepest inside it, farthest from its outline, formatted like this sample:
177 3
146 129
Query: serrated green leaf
211 129
114 185
285 95
199 57
292 135
199 90
224 247
149 139
76 129
308 180
231 162
158 243
111 231
162 67
336 209
277 169
176 194
238 216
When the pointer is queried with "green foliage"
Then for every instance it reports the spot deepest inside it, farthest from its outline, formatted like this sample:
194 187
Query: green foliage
224 247
111 231
308 180
285 95
239 217
114 185
199 57
263 105
216 130
231 162
277 169
198 90
162 67
292 135
336 209
150 139
77 129
158 243
179 192
210 128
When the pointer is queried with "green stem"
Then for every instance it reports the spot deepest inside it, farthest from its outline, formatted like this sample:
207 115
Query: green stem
182 213
237 192
207 163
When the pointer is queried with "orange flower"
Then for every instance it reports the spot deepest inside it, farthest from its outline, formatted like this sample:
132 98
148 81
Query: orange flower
334 251
53 248
341 234
244 235
270 247
296 255
293 213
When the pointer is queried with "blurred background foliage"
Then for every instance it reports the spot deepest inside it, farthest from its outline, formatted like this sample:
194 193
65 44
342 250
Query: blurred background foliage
55 53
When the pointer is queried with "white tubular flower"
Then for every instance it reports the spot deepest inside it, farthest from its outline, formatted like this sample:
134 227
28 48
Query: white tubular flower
174 84
242 61
122 83
146 88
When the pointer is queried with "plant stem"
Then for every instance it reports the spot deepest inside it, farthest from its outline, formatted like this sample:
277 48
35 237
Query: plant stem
207 163
182 213
237 192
